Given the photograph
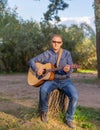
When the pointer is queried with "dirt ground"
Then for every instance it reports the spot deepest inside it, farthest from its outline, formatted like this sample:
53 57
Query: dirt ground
15 92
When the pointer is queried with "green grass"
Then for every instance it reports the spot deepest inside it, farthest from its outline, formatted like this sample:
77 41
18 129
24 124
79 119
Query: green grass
86 71
88 117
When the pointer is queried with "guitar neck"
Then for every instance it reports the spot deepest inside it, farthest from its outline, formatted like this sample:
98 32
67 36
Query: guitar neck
55 69
73 66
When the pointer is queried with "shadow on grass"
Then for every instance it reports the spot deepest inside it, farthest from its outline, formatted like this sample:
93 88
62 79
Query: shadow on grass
18 110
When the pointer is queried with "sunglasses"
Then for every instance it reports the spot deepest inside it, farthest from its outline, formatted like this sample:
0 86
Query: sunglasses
58 42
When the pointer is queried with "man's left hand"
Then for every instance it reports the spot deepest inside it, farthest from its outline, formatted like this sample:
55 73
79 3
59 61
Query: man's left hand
66 68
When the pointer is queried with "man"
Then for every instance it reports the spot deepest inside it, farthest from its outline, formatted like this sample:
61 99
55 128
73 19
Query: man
61 80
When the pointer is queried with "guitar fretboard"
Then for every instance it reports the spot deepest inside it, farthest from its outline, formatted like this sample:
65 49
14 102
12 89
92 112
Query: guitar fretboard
74 66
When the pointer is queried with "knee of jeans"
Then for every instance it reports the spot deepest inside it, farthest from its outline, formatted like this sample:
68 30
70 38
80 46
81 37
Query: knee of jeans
75 97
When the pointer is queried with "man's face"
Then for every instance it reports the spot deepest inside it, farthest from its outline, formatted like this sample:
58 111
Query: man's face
56 43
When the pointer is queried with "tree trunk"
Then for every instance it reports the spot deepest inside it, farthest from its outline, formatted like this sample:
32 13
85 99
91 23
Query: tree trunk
97 22
58 101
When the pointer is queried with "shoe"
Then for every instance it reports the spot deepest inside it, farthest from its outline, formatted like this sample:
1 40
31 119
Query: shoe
70 124
44 116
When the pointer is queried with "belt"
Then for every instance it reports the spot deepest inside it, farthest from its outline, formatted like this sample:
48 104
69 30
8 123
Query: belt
62 78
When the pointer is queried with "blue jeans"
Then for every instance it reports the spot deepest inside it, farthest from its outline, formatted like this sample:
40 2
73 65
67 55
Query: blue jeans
67 87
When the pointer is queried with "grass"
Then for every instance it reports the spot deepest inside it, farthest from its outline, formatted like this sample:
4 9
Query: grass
28 119
88 117
86 71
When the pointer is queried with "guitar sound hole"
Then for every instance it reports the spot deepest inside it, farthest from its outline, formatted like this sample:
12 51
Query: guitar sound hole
44 71
41 76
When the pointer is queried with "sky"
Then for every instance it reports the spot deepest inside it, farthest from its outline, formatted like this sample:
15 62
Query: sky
77 12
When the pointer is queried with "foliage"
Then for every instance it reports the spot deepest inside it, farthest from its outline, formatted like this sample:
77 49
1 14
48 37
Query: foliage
80 40
20 40
53 8
3 4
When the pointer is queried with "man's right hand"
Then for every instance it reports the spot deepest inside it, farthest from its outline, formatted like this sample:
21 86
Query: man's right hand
39 71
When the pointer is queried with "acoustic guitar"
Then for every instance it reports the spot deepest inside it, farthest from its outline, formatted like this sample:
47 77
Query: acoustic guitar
48 73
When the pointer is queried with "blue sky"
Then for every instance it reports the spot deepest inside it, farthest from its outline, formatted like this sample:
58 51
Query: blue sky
78 10
34 8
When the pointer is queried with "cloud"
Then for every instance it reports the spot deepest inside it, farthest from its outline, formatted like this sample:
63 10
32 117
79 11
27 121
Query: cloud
68 21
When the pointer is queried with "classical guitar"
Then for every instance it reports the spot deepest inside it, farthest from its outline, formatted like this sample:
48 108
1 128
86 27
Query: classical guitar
48 73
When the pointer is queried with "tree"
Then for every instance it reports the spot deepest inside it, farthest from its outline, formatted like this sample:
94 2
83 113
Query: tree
3 4
53 8
97 23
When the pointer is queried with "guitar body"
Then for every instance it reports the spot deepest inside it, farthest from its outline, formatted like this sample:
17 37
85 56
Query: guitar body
35 80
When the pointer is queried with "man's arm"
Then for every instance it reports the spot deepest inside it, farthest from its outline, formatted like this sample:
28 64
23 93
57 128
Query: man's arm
68 68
